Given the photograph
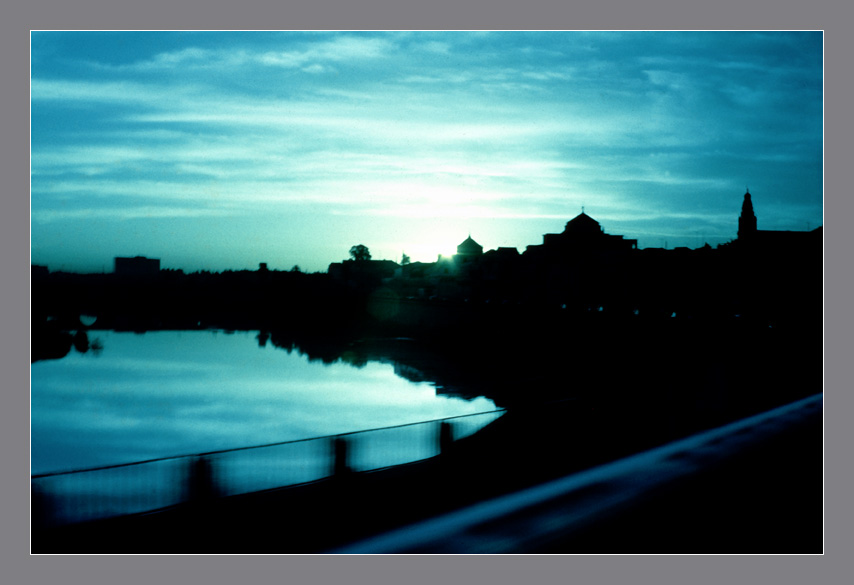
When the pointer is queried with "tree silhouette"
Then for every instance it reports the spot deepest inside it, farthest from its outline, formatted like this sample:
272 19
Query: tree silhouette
360 252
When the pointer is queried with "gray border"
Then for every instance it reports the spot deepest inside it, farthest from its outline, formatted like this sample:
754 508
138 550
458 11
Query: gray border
19 18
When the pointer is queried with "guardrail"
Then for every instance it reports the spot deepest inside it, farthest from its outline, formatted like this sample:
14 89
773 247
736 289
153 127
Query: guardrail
74 496
757 481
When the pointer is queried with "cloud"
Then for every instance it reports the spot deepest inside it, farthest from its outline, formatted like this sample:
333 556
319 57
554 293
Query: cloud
185 57
101 91
309 56
48 216
438 47
547 75
317 69
444 78
512 125
427 210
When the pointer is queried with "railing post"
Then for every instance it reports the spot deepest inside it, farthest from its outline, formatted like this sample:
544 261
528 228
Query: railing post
200 482
42 508
446 436
340 455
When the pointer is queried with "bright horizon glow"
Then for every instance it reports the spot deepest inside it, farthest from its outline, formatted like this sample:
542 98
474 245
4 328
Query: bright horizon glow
222 150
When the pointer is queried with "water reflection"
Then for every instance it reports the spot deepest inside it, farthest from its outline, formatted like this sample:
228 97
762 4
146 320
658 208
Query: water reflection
172 392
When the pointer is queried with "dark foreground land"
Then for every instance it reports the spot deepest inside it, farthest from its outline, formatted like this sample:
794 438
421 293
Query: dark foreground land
763 497
583 387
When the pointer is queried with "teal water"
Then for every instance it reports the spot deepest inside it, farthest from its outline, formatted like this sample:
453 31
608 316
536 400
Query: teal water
168 393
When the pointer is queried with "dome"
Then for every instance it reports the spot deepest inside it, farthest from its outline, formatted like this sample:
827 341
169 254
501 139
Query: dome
469 247
582 224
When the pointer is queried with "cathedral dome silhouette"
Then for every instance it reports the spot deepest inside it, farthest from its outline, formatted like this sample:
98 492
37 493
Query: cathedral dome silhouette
583 224
469 247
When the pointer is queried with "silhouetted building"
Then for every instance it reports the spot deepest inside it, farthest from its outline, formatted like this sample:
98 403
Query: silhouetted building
37 271
505 252
467 259
778 273
469 248
747 219
582 234
137 266
779 242
363 271
500 262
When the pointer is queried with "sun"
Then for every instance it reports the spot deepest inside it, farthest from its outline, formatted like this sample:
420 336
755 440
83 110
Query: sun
427 252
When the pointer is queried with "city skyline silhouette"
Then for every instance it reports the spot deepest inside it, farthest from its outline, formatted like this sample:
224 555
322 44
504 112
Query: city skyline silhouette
616 238
577 231
218 151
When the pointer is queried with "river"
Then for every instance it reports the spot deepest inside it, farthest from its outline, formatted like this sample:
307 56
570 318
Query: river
165 393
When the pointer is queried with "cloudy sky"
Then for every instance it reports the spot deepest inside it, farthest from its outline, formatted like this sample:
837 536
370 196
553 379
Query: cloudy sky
220 150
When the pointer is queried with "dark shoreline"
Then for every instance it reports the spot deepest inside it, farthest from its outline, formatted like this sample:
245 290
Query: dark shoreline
766 500
634 379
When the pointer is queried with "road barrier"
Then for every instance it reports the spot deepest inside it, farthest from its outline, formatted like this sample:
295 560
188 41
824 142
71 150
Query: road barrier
75 496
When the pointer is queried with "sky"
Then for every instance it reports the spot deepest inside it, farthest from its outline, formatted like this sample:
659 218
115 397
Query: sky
221 150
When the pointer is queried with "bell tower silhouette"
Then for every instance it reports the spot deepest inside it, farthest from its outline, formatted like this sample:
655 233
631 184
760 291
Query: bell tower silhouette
747 219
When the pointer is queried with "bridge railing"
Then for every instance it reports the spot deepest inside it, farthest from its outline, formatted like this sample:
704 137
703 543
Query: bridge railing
738 488
101 492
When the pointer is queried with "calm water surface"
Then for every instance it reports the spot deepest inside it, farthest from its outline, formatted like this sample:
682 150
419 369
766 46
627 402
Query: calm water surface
169 393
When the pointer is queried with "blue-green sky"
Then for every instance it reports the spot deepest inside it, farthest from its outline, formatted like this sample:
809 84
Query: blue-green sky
220 150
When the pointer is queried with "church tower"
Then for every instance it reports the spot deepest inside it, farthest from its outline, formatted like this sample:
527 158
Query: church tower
747 219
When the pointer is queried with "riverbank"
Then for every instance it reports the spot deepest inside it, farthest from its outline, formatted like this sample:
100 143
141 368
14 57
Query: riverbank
523 448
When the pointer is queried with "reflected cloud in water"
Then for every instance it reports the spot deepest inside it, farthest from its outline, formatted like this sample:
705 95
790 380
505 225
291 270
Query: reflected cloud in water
174 392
